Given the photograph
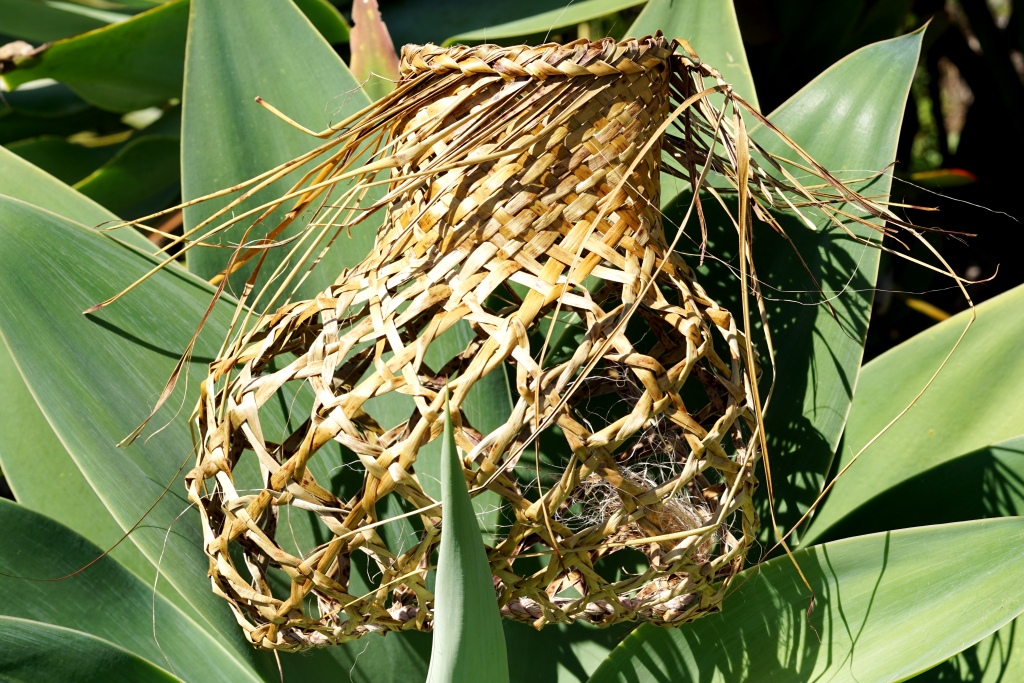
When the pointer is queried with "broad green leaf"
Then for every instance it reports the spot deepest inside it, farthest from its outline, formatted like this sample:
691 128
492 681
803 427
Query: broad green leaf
95 378
37 466
888 606
104 600
985 482
68 162
567 15
374 60
138 63
272 51
711 29
860 98
468 641
921 481
31 652
131 65
43 476
996 659
975 403
142 178
43 22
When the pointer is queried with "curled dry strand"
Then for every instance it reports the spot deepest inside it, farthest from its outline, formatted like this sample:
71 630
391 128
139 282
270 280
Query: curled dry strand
519 186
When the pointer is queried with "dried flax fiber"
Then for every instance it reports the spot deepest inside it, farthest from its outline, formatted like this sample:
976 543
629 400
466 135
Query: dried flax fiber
516 174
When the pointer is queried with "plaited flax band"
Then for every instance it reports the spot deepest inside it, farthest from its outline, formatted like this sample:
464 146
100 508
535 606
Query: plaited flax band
580 58
647 453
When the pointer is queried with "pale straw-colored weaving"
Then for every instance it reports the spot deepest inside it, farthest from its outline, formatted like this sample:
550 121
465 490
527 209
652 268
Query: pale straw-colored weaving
524 183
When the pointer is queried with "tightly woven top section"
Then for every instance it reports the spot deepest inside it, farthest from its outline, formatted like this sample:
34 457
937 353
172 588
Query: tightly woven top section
603 57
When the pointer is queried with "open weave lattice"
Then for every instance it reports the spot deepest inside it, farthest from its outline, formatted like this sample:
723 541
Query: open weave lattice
494 247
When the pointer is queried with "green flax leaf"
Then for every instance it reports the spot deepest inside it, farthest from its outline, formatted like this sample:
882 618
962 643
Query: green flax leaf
38 468
68 162
962 435
95 377
43 22
468 641
122 67
32 652
888 606
142 178
950 458
104 600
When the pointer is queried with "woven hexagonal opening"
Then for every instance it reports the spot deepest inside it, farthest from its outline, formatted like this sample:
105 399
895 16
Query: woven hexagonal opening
618 486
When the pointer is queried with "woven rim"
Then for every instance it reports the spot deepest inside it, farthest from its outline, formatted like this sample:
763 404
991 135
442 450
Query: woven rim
604 57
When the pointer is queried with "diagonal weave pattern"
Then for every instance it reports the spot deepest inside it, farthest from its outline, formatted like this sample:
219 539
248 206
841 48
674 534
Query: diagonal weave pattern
498 246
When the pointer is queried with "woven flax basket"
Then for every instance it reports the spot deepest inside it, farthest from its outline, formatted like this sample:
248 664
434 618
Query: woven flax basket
624 471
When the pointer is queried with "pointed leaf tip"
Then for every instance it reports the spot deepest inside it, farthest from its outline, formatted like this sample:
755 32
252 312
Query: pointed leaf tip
469 644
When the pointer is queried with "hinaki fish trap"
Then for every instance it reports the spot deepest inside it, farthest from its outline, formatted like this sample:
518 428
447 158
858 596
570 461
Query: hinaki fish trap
520 188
